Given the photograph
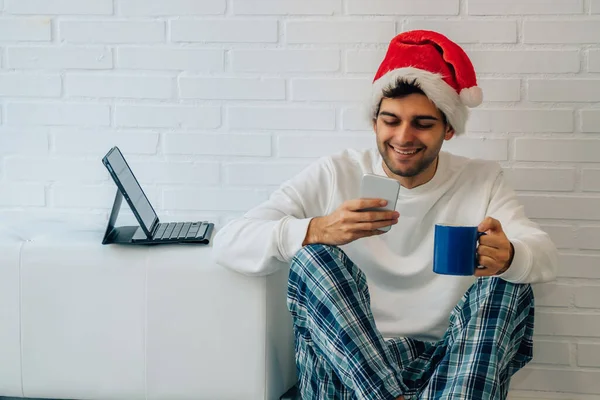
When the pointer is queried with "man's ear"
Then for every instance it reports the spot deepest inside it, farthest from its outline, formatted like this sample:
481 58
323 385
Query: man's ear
449 132
374 122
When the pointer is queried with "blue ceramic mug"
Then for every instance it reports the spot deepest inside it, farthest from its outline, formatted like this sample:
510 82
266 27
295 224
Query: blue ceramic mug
455 249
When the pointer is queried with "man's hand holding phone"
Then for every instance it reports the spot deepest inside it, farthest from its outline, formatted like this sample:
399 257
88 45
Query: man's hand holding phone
350 222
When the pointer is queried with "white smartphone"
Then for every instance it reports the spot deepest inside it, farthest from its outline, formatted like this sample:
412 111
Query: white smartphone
380 187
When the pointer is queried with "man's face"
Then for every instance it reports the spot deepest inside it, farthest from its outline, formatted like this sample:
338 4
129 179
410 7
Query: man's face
410 132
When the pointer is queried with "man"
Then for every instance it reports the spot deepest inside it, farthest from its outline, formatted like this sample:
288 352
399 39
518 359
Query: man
371 319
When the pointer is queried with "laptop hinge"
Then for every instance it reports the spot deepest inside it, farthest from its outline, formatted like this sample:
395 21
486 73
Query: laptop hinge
154 227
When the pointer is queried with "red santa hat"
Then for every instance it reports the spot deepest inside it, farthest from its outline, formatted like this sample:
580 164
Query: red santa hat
439 66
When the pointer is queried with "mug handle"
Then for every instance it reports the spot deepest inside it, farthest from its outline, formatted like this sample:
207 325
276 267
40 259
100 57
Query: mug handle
479 234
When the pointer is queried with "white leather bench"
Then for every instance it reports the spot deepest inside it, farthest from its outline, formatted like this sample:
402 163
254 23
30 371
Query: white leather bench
80 320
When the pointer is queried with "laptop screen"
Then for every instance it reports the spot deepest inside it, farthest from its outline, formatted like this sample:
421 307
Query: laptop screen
132 188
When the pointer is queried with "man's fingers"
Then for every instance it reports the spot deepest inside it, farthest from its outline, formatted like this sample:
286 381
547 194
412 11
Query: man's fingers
361 204
366 229
493 241
363 234
486 251
369 226
489 262
372 233
372 216
365 210
489 224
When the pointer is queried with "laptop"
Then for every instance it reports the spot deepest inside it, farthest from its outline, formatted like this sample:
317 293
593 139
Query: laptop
150 229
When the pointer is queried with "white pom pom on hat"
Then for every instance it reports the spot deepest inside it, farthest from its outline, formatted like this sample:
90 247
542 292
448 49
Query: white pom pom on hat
471 97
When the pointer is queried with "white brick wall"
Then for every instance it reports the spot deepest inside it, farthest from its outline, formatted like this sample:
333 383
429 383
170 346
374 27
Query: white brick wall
217 102
263 173
232 88
293 7
56 113
59 58
33 29
563 90
590 120
258 145
332 89
295 145
18 141
579 266
22 194
238 30
524 120
285 60
66 169
115 32
553 353
542 179
59 7
91 142
561 32
25 84
342 32
120 86
296 118
469 31
518 7
165 116
494 149
588 355
161 59
151 8
525 61
403 7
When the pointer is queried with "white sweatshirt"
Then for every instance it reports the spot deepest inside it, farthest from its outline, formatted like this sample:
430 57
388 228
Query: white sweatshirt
407 297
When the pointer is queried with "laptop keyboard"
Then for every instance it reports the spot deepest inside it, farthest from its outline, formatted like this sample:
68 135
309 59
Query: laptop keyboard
180 230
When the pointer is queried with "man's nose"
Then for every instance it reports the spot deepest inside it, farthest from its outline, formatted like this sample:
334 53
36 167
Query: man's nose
404 133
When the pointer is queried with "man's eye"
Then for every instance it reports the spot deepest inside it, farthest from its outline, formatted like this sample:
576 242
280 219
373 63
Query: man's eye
419 126
390 123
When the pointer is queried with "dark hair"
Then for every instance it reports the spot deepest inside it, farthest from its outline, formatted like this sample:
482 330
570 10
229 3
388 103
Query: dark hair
401 89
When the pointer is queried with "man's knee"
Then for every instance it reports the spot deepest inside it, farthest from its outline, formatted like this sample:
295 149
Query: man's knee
516 295
312 255
311 264
499 298
323 263
311 250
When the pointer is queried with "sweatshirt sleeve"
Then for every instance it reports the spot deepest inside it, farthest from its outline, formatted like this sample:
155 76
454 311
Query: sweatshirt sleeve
272 233
535 258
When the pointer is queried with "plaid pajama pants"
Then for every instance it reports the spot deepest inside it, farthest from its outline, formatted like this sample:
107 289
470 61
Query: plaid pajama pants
340 354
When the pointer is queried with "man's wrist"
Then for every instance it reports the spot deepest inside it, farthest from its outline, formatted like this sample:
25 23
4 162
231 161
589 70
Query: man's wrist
310 237
510 260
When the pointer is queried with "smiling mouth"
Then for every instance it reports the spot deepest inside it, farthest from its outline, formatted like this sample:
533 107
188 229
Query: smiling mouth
406 152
